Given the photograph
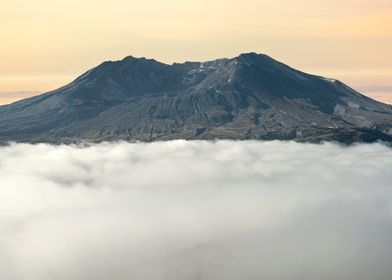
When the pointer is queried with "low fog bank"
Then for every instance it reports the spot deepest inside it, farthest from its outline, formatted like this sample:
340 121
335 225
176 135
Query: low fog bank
196 210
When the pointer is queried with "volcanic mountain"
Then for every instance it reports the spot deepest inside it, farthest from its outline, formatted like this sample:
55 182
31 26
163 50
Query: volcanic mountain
251 96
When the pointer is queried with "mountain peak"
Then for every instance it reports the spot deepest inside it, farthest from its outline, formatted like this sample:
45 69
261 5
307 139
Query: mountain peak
250 55
251 96
131 58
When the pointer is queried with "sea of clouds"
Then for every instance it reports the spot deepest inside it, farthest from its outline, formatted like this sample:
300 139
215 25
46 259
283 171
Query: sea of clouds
196 210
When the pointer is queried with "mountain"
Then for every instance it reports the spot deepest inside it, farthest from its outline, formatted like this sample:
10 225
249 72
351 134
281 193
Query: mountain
251 96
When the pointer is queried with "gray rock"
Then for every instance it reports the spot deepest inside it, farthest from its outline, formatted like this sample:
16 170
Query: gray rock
251 96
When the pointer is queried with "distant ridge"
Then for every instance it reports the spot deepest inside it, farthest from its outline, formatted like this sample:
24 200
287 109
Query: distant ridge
251 96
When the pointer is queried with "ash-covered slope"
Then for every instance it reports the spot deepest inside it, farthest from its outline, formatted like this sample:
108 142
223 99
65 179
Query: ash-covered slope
251 96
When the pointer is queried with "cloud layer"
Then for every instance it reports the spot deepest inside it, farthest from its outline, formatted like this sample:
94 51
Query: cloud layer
195 210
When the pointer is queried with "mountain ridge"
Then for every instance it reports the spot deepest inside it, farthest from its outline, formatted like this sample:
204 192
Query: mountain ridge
251 96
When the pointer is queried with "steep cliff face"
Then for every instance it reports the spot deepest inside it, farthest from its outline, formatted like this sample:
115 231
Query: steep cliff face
251 96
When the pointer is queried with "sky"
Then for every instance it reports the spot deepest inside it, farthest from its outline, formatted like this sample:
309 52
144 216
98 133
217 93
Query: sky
196 210
48 43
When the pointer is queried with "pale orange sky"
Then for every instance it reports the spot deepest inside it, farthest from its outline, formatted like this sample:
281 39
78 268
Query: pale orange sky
47 43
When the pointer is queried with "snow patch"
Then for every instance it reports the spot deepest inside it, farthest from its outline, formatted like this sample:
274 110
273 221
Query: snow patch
332 81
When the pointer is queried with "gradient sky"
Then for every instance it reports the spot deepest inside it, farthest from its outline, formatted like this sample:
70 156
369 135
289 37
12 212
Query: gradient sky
47 43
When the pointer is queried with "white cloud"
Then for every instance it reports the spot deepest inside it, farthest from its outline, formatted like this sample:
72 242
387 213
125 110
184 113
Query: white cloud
195 210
